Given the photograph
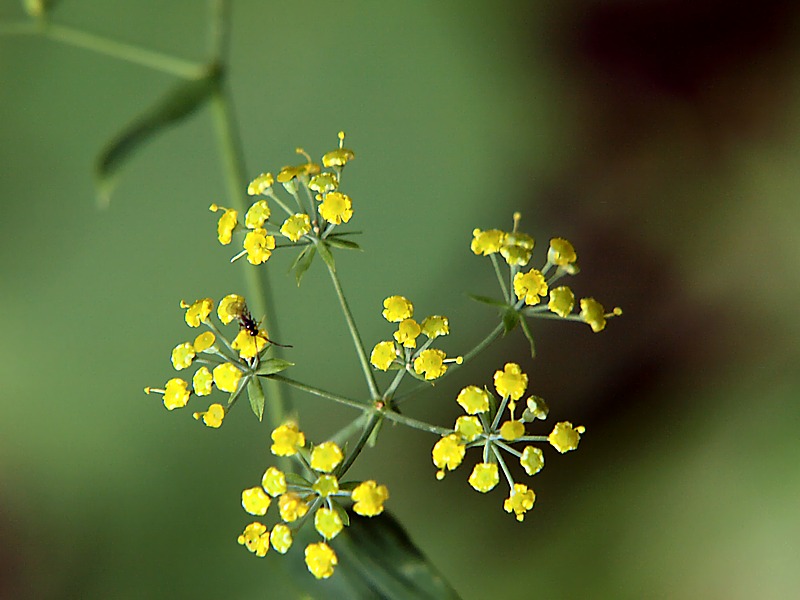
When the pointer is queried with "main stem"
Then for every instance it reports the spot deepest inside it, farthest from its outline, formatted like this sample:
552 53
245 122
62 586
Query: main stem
362 355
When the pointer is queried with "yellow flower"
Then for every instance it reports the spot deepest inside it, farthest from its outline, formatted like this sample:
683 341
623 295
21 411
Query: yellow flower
291 507
448 454
182 356
561 253
531 286
204 341
537 407
339 157
484 477
430 362
259 246
260 184
227 376
257 214
230 308
511 381
296 226
274 481
198 311
435 326
255 501
202 380
532 460
255 538
592 312
326 457
468 428
517 248
328 523
565 437
213 416
336 208
407 333
473 400
562 300
226 223
287 439
369 498
512 430
383 354
176 394
324 183
249 346
320 560
519 501
397 308
326 485
487 242
281 538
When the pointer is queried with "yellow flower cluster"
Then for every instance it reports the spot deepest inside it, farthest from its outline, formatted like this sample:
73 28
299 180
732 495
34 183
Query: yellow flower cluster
228 365
482 427
318 209
402 353
299 497
533 286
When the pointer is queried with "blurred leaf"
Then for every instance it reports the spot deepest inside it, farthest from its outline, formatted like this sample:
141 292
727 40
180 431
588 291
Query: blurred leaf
510 320
377 560
326 255
342 243
271 366
303 263
489 301
180 102
38 8
256 394
528 334
295 479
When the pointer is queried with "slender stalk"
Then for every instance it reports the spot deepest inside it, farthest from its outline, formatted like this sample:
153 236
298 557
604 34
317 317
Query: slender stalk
127 52
409 422
318 392
372 421
362 355
500 277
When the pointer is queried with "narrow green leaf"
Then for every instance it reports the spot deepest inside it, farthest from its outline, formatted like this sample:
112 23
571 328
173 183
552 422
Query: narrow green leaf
256 394
180 102
271 366
528 334
510 320
235 396
295 479
343 514
489 301
326 255
298 258
342 243
304 263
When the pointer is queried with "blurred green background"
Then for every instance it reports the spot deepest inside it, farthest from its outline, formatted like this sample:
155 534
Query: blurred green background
662 138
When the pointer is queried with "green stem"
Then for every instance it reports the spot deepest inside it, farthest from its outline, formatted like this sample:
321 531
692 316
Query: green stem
318 392
500 277
119 50
372 421
259 294
362 355
421 425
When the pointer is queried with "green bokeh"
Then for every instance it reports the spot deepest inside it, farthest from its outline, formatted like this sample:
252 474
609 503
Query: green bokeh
459 113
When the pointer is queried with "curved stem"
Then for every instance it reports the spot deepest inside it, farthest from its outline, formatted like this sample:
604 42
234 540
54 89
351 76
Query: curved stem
351 325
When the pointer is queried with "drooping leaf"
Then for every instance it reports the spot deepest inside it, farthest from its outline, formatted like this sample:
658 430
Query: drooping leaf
510 320
180 102
528 334
326 255
304 262
377 560
270 366
256 394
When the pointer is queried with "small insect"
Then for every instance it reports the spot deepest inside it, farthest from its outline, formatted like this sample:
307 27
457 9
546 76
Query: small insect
253 328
